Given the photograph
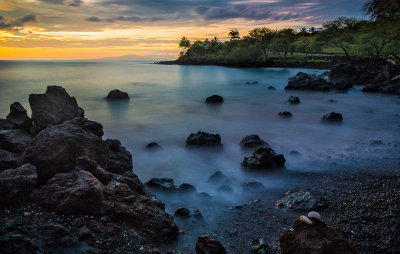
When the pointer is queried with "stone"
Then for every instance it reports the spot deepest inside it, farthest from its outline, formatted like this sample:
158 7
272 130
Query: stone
53 107
16 185
117 95
293 100
271 88
203 139
88 125
315 238
120 159
304 81
19 117
285 114
15 140
186 188
84 163
153 145
253 187
262 247
8 160
215 99
217 177
6 125
302 201
206 244
182 212
161 184
252 141
333 117
263 157
225 189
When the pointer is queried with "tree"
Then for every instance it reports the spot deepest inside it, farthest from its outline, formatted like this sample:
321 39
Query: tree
383 9
184 43
282 41
262 36
376 36
234 34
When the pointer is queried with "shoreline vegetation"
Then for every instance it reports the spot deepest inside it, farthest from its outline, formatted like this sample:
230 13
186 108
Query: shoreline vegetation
342 39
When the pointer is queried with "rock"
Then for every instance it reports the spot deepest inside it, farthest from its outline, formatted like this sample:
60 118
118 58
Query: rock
314 215
53 107
55 149
161 184
333 117
19 117
253 186
343 71
264 157
206 244
117 95
15 141
225 189
120 160
16 185
88 125
293 100
215 99
203 139
271 88
84 163
262 247
153 145
304 81
316 238
302 201
252 83
285 114
182 212
252 141
6 125
8 160
217 177
77 192
186 188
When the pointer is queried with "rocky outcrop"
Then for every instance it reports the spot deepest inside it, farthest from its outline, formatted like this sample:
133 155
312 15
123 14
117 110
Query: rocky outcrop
6 125
252 141
16 185
120 159
391 86
203 139
285 114
314 238
253 187
215 99
161 184
88 125
293 100
183 212
206 244
264 157
304 81
15 140
19 117
332 117
8 160
117 95
84 163
53 107
302 201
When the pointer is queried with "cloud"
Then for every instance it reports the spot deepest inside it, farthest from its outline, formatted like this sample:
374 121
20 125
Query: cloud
76 3
16 24
98 20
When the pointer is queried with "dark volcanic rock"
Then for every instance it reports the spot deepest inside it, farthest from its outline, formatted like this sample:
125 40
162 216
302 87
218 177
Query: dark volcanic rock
316 238
252 141
343 71
253 186
117 95
182 212
264 157
120 160
271 88
84 163
15 141
16 185
333 117
302 201
53 107
19 116
88 125
186 188
8 160
203 139
217 177
293 100
206 244
304 81
78 192
6 125
285 114
162 184
215 99
153 145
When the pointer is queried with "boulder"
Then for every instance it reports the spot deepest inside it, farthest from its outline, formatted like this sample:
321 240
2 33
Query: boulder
120 159
8 160
6 125
53 107
161 184
153 145
264 157
15 140
285 114
19 117
253 187
117 95
88 125
304 81
302 201
343 71
185 213
206 244
262 247
293 100
315 238
186 188
84 163
215 99
217 177
271 88
16 185
333 117
77 192
203 139
252 141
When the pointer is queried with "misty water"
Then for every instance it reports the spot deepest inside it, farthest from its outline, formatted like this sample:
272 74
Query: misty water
167 104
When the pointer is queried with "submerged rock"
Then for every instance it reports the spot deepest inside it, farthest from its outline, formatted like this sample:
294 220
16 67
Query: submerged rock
304 81
271 88
314 238
217 177
206 244
285 114
53 107
6 125
19 117
186 213
161 184
302 201
153 145
253 187
215 99
117 95
333 117
15 140
186 188
8 160
293 100
263 157
252 141
16 185
203 139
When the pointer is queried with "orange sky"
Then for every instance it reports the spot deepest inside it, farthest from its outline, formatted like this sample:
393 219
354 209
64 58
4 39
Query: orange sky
90 29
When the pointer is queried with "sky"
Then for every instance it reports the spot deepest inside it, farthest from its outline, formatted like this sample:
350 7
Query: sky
145 29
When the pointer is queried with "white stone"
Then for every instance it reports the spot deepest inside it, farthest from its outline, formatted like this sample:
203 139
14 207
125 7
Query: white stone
314 215
305 219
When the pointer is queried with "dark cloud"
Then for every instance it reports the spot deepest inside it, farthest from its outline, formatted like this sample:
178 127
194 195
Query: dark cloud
98 20
76 3
16 24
